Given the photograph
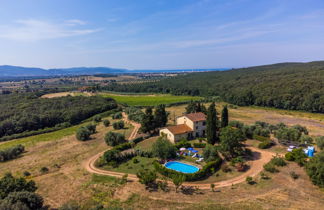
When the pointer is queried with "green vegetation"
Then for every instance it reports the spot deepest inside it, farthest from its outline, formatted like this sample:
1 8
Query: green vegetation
118 125
320 142
106 123
297 155
149 100
18 193
11 153
315 169
194 107
113 139
164 149
212 124
177 180
231 142
27 112
296 86
210 153
224 121
83 133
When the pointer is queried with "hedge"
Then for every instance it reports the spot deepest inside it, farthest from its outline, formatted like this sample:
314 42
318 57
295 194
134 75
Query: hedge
261 138
199 145
124 146
11 153
205 171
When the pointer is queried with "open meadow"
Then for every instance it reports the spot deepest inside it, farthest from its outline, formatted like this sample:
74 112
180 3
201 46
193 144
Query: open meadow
65 157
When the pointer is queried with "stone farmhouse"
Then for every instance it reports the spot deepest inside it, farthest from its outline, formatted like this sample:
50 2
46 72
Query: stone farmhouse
188 126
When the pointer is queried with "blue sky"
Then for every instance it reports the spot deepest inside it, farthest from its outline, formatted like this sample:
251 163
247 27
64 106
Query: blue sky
160 34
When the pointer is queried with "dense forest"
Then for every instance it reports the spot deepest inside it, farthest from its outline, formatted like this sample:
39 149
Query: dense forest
27 112
296 86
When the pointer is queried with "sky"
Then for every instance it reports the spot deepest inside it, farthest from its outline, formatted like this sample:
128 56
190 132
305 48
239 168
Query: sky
160 34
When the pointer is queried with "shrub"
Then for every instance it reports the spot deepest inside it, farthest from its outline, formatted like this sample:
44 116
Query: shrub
119 125
294 175
97 118
199 145
124 146
91 128
137 140
113 139
249 180
320 142
297 155
26 173
261 138
278 161
183 143
236 124
117 115
106 123
265 144
146 177
135 161
270 167
264 176
44 170
315 169
11 153
83 134
177 180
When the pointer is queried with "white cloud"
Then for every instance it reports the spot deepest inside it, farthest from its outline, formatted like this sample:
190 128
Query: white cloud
35 30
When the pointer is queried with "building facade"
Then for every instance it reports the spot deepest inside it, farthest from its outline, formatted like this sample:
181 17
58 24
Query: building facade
188 126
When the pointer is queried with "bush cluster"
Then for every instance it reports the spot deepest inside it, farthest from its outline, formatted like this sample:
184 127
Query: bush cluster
117 115
297 155
11 153
113 139
118 125
84 132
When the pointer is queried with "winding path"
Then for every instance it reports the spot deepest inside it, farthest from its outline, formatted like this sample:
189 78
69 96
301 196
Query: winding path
261 157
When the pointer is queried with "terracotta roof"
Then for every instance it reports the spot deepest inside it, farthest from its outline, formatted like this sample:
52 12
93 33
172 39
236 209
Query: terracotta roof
199 116
179 129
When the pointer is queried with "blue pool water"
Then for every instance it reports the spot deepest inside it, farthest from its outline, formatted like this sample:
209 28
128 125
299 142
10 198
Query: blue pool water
181 167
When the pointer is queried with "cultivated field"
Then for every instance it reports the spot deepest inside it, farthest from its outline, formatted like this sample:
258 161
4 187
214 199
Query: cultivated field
133 99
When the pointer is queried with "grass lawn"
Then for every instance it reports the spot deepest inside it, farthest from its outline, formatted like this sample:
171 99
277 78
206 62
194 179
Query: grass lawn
131 167
147 143
149 100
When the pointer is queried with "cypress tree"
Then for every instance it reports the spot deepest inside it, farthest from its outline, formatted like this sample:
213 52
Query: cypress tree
147 123
212 122
160 116
224 122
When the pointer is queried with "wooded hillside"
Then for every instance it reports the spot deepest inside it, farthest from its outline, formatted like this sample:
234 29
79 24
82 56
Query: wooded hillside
297 86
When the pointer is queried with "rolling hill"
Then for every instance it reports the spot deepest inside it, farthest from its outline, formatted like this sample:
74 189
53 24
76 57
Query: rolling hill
296 86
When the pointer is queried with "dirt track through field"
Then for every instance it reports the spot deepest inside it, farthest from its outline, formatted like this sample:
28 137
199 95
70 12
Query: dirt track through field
260 157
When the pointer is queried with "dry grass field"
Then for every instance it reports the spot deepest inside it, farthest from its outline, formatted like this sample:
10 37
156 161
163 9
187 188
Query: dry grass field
67 180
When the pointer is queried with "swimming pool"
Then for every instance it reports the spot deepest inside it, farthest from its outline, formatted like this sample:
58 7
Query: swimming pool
181 167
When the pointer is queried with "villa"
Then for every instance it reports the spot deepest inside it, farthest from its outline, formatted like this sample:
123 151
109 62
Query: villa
188 126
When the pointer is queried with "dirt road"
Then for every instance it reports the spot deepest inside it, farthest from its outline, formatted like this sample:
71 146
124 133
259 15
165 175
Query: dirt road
136 125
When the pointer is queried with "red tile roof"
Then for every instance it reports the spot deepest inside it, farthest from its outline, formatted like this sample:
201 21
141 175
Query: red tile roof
195 117
179 129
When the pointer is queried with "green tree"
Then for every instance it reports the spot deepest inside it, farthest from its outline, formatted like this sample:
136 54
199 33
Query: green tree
147 177
224 121
315 169
212 122
178 180
164 149
210 153
23 200
160 116
113 139
83 134
91 128
147 124
97 118
118 125
230 142
9 184
106 123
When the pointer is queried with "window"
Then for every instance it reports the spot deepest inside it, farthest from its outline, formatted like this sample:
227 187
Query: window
196 127
204 123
